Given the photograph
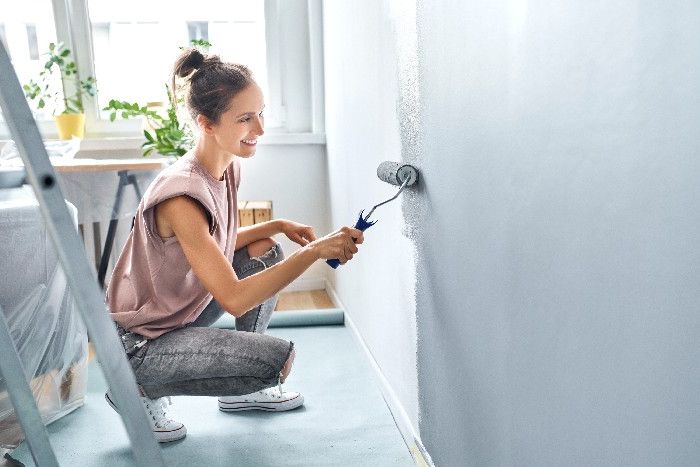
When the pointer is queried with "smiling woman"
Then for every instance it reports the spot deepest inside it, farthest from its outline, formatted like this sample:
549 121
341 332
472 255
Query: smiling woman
186 263
236 127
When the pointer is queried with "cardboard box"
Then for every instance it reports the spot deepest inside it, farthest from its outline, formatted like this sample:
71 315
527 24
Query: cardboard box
254 212
262 210
245 216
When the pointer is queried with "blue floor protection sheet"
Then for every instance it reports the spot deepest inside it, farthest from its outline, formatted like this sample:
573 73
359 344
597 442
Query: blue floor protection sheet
344 421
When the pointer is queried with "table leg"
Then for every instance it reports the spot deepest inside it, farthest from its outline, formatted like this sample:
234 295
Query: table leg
125 178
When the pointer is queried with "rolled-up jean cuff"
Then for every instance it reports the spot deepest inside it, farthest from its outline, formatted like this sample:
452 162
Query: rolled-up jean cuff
289 353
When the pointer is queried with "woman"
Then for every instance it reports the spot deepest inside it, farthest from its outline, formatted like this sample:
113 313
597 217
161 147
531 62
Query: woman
185 263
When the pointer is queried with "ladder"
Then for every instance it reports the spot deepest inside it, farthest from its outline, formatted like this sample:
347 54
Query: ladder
87 293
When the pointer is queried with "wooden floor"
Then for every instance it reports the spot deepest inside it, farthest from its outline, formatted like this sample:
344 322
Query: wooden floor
304 300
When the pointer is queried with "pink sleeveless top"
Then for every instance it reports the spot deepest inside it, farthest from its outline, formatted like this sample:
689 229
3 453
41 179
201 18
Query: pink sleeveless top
153 289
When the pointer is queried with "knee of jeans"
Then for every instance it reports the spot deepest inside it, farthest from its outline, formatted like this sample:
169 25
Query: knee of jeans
261 247
279 251
272 255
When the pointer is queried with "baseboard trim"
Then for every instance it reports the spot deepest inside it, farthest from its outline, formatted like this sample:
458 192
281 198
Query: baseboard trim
403 422
332 295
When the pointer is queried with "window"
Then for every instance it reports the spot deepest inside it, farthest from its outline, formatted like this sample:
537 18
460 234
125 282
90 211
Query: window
32 42
198 30
135 43
24 26
3 38
131 45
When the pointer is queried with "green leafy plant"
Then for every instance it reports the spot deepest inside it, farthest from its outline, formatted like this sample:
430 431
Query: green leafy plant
169 136
42 91
200 44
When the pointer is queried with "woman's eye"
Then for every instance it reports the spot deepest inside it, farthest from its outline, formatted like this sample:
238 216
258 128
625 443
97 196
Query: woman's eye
247 119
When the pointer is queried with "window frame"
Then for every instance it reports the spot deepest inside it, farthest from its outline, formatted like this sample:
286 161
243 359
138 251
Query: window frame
294 66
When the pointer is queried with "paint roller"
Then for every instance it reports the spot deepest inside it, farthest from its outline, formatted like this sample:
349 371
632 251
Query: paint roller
402 175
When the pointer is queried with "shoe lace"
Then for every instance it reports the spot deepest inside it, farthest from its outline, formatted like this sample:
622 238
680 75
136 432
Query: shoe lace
156 409
275 392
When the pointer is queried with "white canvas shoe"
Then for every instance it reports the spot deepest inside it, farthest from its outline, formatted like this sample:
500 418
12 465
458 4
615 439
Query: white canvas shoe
271 399
164 429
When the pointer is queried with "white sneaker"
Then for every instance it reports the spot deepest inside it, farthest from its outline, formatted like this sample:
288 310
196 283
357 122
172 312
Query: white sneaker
164 429
271 399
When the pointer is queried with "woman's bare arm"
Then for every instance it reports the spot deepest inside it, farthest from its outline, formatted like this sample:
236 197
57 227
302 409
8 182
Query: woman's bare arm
188 221
251 233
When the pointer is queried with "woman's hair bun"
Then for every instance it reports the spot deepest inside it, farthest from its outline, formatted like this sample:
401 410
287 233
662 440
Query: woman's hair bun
190 60
210 83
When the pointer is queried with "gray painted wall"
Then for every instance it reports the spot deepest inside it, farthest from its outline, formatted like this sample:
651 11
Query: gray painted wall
555 230
558 260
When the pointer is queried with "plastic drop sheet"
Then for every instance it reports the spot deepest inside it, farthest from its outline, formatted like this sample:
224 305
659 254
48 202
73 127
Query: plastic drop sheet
43 320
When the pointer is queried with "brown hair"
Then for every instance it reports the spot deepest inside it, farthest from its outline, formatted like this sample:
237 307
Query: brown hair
212 83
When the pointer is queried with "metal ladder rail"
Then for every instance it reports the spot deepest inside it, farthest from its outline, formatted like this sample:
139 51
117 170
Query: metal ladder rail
23 400
79 274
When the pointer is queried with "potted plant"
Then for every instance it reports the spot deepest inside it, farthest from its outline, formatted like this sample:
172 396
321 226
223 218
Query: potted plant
71 121
168 136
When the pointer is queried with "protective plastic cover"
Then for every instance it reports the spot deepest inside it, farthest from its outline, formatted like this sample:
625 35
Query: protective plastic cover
44 322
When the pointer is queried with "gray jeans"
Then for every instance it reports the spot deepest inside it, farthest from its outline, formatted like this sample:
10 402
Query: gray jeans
198 360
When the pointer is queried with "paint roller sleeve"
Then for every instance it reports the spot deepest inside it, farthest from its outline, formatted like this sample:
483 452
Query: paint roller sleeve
397 173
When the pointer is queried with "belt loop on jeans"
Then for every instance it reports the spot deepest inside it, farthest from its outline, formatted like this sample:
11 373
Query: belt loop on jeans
131 341
131 350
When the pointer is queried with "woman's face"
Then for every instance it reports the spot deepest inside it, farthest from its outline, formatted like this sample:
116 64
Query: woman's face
238 129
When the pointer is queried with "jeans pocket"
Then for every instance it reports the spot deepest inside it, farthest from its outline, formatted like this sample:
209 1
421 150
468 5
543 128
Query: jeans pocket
136 359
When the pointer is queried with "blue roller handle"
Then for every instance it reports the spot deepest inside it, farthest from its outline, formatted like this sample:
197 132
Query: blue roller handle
362 225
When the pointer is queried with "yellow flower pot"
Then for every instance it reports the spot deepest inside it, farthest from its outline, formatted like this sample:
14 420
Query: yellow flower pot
70 125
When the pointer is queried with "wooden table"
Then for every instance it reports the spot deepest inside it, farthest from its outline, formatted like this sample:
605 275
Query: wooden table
107 165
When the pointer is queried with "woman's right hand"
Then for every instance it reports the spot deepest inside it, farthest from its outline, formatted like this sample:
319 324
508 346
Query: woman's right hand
340 245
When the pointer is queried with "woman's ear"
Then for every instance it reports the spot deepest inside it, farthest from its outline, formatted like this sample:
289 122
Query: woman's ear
204 124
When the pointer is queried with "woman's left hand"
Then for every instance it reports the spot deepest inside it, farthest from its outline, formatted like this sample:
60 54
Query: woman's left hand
298 233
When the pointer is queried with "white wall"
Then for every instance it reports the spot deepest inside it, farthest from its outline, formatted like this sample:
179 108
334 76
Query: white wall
361 43
294 177
557 306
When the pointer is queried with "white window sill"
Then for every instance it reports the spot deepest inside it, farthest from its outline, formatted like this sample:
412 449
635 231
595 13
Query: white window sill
129 143
269 139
